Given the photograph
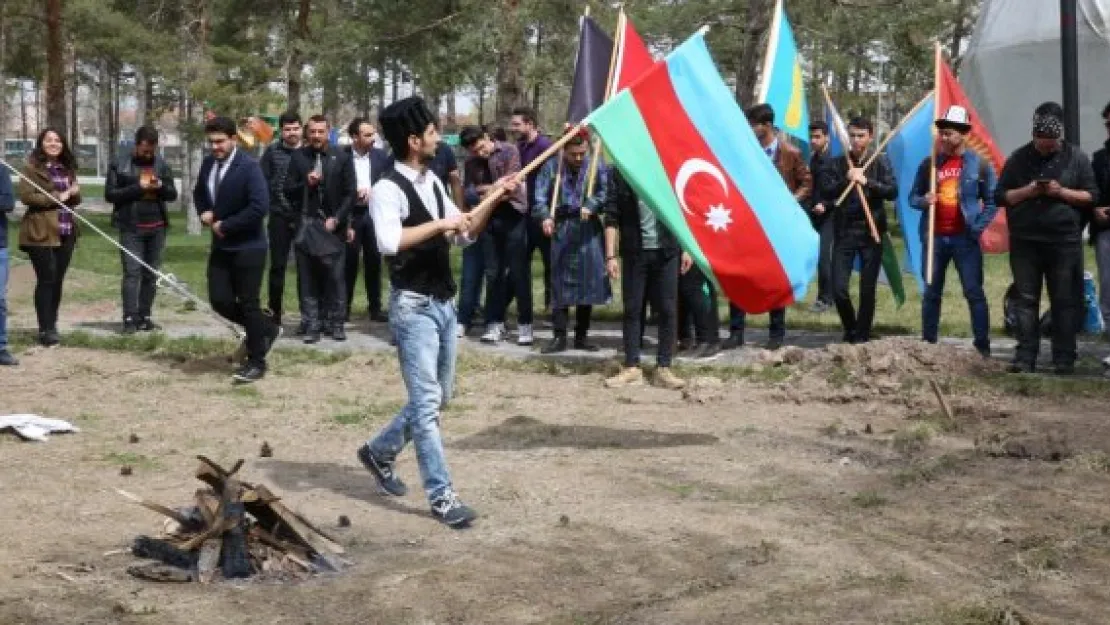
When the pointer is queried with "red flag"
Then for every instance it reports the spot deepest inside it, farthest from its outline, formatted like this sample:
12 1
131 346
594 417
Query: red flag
996 238
633 57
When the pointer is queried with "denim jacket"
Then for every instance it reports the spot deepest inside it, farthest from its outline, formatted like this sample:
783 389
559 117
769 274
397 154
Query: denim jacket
977 185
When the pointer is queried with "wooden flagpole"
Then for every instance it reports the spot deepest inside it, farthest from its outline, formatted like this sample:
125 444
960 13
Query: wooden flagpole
933 170
618 41
559 173
883 144
859 190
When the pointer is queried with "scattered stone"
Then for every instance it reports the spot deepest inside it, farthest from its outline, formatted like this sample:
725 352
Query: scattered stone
266 451
344 520
1049 447
564 520
126 470
704 390
134 438
867 429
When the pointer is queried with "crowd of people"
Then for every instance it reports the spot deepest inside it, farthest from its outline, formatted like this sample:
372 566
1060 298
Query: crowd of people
310 200
341 210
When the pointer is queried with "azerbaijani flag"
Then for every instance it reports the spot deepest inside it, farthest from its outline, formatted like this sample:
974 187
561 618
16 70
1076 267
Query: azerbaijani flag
633 57
681 141
996 238
782 85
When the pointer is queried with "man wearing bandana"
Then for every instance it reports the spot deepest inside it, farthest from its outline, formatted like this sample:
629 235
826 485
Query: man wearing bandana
1048 189
578 275
415 223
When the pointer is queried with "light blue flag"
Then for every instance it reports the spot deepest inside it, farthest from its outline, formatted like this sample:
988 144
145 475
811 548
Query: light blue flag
906 151
783 86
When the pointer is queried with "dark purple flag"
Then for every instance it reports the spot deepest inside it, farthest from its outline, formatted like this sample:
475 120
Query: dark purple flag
591 71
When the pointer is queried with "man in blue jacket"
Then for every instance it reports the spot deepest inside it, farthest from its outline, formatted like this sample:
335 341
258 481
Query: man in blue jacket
232 198
964 207
7 205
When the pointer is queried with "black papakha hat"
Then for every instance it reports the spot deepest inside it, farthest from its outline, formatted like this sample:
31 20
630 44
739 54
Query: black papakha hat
402 119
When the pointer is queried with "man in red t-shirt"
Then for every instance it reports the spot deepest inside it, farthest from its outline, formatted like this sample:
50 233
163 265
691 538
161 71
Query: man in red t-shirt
964 207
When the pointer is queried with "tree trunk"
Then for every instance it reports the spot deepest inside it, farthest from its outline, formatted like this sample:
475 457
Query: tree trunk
114 126
451 117
381 85
751 47
74 127
192 116
104 116
482 105
55 68
539 79
3 78
295 70
958 33
23 107
141 107
395 77
510 62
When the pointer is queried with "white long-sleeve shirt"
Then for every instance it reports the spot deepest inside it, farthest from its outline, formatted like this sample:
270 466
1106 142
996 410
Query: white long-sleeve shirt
389 207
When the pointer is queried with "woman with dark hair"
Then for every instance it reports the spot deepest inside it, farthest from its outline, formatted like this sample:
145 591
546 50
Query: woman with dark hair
48 233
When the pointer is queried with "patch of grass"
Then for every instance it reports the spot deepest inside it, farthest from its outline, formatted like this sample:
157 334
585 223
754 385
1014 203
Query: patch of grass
1040 385
839 376
888 582
970 615
927 470
131 459
937 422
869 499
377 411
305 356
912 440
682 490
1095 461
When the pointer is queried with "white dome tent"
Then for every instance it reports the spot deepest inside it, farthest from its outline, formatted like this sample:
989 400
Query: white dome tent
1012 64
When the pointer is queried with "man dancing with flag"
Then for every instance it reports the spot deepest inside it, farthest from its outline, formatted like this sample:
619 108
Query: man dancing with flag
964 206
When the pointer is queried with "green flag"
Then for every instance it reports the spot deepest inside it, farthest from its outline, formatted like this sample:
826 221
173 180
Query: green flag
893 271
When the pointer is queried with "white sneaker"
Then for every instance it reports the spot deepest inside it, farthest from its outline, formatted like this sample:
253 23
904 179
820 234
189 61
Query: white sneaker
494 332
524 334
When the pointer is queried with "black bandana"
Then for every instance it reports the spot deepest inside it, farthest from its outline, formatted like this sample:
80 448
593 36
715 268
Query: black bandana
1047 127
402 119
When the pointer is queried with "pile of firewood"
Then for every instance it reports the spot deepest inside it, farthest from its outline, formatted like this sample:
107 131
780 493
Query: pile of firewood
234 529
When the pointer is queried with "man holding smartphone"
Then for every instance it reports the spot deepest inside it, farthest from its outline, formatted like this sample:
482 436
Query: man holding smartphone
1048 189
139 187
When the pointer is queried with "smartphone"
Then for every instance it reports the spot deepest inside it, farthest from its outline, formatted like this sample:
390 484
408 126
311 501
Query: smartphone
1044 182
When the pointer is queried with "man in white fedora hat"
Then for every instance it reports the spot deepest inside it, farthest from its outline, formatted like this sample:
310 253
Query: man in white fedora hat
964 205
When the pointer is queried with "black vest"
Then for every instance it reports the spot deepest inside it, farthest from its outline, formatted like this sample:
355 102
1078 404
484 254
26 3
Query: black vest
423 268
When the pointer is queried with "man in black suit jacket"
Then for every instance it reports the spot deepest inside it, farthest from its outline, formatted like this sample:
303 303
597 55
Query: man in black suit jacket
232 198
370 163
326 177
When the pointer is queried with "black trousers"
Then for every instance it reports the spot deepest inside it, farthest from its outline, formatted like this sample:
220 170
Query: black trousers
50 265
234 283
698 306
1059 266
281 230
824 261
650 275
323 293
856 324
560 319
140 285
366 244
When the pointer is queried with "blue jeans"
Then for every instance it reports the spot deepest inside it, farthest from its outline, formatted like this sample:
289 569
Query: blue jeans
425 331
473 276
507 266
964 251
3 296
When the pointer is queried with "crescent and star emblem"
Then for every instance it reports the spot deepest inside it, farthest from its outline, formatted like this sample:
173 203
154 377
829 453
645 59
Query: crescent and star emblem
717 217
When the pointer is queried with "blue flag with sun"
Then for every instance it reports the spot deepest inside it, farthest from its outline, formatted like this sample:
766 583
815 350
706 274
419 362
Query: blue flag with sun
782 85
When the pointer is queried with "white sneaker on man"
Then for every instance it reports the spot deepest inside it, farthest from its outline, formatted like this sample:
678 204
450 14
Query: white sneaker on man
494 333
524 335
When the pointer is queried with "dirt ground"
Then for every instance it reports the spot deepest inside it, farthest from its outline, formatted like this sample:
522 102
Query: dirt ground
825 489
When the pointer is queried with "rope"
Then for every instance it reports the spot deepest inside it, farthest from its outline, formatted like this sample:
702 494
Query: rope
165 280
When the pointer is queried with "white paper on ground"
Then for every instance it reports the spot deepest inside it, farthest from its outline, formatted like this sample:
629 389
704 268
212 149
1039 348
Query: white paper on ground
33 427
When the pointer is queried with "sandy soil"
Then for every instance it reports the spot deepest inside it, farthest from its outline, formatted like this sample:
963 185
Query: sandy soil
828 490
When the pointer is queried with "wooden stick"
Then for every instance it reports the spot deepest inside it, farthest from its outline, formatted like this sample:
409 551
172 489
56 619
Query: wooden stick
496 194
558 183
618 41
929 249
150 505
883 144
862 196
945 408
